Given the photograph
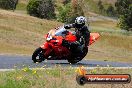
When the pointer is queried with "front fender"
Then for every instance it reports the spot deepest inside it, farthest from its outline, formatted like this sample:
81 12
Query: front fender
47 48
45 45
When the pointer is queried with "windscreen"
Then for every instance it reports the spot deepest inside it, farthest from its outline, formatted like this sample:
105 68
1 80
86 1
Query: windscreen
60 32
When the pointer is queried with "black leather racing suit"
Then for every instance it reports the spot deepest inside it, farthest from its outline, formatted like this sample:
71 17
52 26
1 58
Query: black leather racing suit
82 33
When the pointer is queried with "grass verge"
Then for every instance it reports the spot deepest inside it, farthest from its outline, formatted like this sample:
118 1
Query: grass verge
55 78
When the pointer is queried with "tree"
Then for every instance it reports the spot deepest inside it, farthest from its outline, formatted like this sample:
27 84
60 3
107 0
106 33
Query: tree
122 6
41 8
64 13
100 6
46 9
66 1
32 8
8 4
69 12
76 10
124 10
110 11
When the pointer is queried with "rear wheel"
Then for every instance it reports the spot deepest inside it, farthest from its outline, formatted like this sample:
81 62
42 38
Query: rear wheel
38 55
85 51
75 59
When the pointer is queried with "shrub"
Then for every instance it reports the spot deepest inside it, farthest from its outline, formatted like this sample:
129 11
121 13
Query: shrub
124 10
69 12
66 1
41 8
32 7
8 4
64 13
110 11
100 6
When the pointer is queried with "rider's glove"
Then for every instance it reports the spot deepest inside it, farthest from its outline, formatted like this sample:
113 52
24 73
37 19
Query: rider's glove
67 26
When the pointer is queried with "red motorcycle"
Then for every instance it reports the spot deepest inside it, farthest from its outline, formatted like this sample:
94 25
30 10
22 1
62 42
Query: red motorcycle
52 49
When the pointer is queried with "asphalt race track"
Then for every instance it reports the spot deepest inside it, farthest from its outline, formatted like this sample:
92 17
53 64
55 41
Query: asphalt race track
9 62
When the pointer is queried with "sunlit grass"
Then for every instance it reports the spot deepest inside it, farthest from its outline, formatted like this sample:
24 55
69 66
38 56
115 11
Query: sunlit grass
113 45
105 24
110 47
22 34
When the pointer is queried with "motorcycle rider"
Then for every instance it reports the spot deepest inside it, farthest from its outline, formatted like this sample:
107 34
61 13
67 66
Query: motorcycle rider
82 33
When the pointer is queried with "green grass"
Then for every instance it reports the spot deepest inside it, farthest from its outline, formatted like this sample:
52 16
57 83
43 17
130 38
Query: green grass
21 6
54 78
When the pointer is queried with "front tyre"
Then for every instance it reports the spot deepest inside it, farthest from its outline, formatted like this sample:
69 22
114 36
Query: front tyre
38 55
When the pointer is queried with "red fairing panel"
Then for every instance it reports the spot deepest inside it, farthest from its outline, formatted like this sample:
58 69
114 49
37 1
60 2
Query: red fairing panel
45 45
48 49
71 37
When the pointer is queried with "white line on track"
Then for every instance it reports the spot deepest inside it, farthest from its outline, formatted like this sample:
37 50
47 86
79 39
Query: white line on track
87 68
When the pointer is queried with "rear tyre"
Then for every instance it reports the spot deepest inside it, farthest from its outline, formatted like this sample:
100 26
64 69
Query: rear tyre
75 59
38 55
72 61
85 51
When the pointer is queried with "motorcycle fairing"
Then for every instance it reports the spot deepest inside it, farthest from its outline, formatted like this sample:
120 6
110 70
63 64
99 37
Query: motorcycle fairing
93 37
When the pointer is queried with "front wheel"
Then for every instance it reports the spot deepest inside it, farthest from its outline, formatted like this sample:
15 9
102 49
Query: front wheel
38 55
